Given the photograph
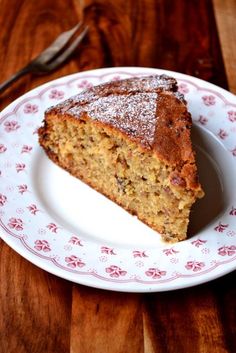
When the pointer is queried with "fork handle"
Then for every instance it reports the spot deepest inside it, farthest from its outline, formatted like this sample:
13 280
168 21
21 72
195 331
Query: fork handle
25 70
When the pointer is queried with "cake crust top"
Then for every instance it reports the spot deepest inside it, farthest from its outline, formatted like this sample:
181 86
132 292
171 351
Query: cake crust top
129 105
150 111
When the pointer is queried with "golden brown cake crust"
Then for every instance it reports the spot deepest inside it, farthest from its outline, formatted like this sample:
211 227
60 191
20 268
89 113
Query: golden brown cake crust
130 140
147 110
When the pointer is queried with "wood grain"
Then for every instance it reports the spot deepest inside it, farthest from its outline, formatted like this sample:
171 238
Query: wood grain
179 36
41 313
175 35
31 26
106 321
225 12
35 307
183 323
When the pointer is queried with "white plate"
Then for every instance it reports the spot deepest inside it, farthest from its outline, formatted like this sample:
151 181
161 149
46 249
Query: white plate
61 225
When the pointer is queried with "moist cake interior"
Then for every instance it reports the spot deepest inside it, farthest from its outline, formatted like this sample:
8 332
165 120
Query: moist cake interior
132 146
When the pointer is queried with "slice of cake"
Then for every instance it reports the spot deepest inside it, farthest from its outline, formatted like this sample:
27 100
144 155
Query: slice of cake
130 140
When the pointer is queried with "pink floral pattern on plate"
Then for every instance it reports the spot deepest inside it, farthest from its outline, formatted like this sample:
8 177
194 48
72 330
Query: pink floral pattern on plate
73 261
202 120
11 125
75 240
33 209
85 84
195 265
183 88
2 148
30 108
26 149
22 188
233 211
29 227
115 271
155 273
15 223
3 199
52 227
232 115
209 100
227 250
56 94
42 245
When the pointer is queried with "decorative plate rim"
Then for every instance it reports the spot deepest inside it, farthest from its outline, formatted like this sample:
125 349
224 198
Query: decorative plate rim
93 278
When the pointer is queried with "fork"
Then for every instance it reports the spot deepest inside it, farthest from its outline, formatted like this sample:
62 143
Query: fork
52 57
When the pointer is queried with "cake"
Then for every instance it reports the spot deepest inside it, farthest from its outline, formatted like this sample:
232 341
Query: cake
130 140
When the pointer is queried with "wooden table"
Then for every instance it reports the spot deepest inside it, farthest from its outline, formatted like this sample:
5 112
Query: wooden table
42 313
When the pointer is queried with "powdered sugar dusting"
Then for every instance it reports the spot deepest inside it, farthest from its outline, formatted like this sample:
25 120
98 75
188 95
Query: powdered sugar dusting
129 104
134 85
180 96
146 84
132 114
141 84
